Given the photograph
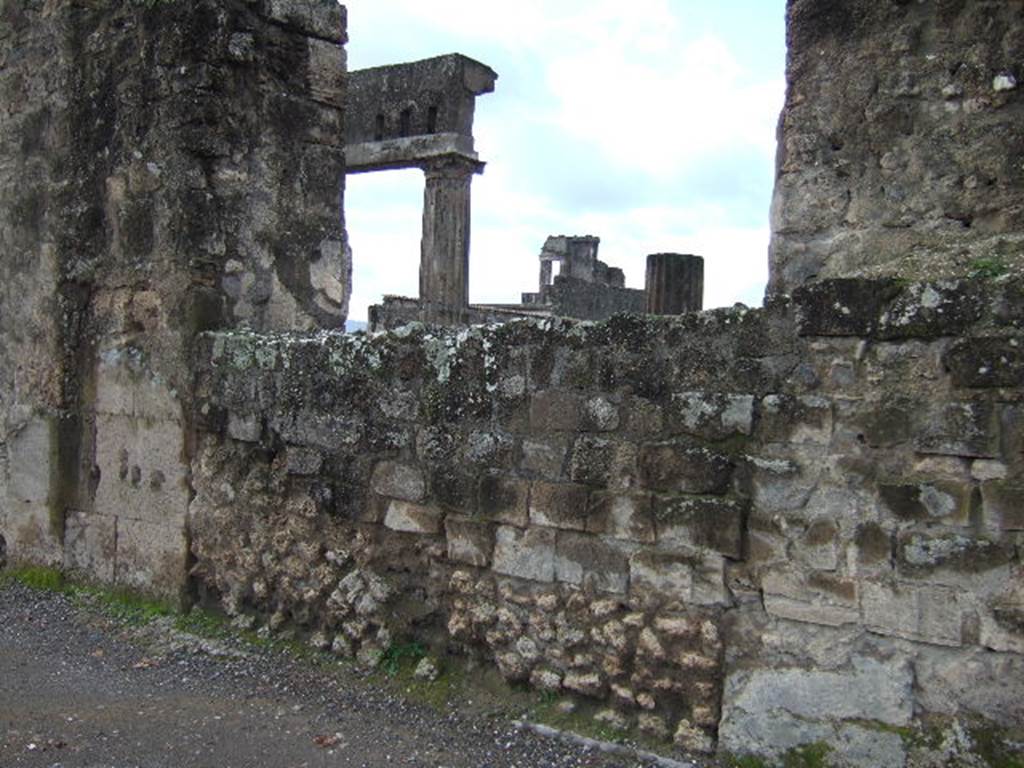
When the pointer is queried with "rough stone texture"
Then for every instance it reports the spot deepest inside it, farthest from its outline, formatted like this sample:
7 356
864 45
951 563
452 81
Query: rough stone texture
165 168
898 141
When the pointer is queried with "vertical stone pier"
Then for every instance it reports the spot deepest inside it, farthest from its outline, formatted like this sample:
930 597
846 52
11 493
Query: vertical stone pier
675 283
444 248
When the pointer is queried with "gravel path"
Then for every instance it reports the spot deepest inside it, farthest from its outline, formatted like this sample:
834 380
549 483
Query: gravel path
77 689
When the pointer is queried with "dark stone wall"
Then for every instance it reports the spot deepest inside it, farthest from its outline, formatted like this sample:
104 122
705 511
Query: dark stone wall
168 168
900 141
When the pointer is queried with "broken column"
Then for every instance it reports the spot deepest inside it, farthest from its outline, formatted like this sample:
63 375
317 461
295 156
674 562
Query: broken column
444 248
675 283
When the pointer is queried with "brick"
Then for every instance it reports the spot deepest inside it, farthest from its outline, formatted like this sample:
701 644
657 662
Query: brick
526 554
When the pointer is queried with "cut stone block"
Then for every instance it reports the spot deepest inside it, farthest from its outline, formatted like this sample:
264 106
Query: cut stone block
967 428
712 523
1003 505
545 458
928 614
412 518
828 600
32 457
470 542
526 554
559 505
987 362
555 410
710 415
625 516
151 557
90 545
790 419
399 481
676 468
505 499
580 559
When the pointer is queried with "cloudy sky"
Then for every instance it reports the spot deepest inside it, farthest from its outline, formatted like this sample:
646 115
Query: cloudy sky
649 123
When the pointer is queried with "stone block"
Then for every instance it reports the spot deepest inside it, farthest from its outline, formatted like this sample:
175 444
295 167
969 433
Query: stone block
410 517
779 485
151 557
505 499
1003 505
310 17
935 501
398 481
90 545
924 613
559 505
142 470
795 420
677 468
592 461
928 310
843 307
1002 620
545 458
469 541
981 363
600 415
952 558
586 559
303 461
526 554
965 428
769 711
555 410
710 415
711 523
30 535
826 600
327 84
32 458
246 428
626 516
818 547
661 575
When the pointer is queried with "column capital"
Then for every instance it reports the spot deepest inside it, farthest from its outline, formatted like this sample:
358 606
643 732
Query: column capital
451 167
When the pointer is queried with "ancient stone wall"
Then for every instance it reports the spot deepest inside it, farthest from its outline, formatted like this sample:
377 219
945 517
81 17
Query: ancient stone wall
900 141
756 529
168 168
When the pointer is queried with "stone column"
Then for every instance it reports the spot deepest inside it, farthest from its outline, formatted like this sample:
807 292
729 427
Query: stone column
444 248
675 283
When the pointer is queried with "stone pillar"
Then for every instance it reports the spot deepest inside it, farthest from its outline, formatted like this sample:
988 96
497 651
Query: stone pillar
444 248
675 283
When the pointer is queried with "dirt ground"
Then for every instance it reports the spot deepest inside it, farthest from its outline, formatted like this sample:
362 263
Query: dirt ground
81 688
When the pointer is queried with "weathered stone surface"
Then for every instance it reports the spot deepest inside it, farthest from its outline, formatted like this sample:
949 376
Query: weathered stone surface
672 467
525 554
791 419
626 516
545 458
469 541
929 614
966 428
32 459
1003 505
90 545
583 559
556 411
710 415
946 501
399 481
151 557
505 499
412 518
987 362
712 523
770 711
559 505
818 599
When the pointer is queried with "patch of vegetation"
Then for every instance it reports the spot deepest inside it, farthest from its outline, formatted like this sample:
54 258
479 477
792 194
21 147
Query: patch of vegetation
126 606
202 623
37 577
808 756
745 761
988 267
401 656
993 748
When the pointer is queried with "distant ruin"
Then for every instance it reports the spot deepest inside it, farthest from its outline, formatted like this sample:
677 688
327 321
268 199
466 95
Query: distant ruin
786 531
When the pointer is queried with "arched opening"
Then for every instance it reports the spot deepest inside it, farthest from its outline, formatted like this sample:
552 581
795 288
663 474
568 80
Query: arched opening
432 120
379 128
405 122
3 552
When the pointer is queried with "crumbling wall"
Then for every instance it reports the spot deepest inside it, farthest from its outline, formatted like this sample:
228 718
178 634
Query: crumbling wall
759 529
168 168
900 141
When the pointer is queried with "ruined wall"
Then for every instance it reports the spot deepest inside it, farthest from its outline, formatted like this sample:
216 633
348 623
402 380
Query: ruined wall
769 528
900 141
168 168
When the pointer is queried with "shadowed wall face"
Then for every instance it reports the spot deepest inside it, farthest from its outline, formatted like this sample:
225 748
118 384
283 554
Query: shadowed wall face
900 141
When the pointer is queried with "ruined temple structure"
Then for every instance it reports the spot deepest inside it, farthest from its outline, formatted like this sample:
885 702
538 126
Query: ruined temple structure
793 531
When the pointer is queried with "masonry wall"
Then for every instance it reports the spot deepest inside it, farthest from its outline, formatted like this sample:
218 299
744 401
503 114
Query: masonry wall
167 168
900 141
752 529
